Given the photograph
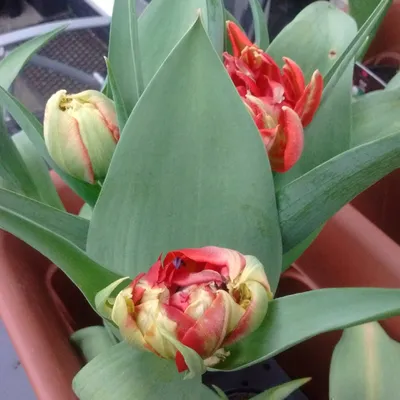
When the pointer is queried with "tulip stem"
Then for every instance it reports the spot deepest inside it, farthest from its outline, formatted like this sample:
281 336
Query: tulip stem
135 47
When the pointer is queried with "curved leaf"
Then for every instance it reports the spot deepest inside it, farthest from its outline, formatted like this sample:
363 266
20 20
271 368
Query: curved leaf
124 54
281 392
122 372
202 179
293 319
365 365
38 170
375 115
309 201
33 223
260 24
68 226
11 65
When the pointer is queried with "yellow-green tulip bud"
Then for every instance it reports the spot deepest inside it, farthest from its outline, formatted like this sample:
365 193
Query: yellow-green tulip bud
81 132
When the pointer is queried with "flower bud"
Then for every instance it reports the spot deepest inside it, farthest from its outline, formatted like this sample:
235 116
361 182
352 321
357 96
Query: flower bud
202 299
81 132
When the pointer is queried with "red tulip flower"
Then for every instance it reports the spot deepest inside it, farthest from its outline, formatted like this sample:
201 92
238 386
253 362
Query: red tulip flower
279 101
202 299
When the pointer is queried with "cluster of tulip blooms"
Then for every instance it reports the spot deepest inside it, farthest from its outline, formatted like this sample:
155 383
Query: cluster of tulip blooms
206 298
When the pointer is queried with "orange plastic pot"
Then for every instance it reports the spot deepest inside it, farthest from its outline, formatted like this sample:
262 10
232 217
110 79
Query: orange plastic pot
36 304
351 251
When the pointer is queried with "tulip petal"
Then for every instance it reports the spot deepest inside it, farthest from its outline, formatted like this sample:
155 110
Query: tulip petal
206 336
310 99
254 271
102 298
121 316
218 256
253 316
293 78
183 321
289 140
237 37
193 362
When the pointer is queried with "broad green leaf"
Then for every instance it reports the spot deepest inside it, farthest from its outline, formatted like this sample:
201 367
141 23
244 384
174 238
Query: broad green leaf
216 24
365 365
356 47
38 170
260 24
123 372
314 40
295 252
375 115
92 341
120 108
394 82
11 65
163 24
202 179
12 167
309 201
33 223
281 392
70 227
293 319
124 53
34 130
86 212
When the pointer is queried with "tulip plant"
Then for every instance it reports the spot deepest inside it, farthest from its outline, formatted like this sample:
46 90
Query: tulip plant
208 164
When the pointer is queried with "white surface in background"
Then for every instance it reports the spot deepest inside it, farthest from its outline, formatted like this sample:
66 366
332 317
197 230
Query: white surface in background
14 384
104 7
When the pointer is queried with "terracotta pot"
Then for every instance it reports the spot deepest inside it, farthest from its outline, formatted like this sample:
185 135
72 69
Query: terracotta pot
35 304
351 251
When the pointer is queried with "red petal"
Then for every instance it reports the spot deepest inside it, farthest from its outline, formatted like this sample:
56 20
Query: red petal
206 336
288 144
237 38
293 77
183 321
310 99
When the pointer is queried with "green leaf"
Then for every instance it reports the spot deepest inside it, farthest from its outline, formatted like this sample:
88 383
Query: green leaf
216 24
281 392
293 319
34 130
315 39
122 112
12 166
365 365
38 170
295 252
70 227
163 24
375 115
50 231
309 201
124 53
202 179
123 372
92 341
357 46
11 65
260 24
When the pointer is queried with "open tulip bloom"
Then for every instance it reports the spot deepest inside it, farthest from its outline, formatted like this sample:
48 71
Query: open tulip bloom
208 164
